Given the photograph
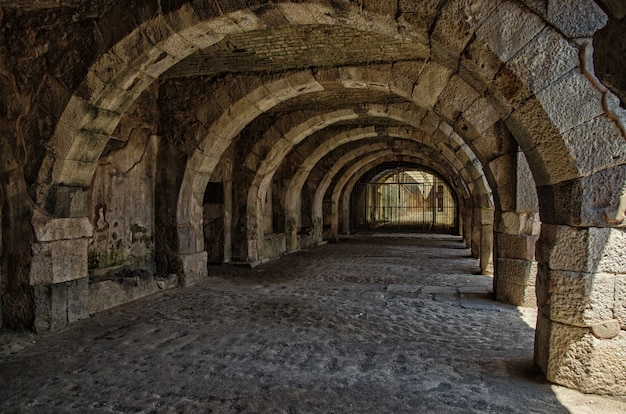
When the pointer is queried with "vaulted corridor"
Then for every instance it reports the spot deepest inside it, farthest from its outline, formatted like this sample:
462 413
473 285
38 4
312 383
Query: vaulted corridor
145 144
367 325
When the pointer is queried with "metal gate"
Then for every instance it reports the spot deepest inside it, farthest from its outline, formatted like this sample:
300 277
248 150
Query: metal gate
403 203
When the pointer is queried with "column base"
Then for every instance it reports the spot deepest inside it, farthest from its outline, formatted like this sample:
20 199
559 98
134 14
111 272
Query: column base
194 267
575 358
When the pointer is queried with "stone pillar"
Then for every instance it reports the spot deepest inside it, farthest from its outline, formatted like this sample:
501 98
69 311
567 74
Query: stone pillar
291 231
58 272
486 241
194 267
467 225
581 292
516 268
476 233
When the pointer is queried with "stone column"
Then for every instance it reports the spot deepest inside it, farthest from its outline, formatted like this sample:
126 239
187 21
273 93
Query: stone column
467 225
486 241
516 268
191 257
58 272
581 292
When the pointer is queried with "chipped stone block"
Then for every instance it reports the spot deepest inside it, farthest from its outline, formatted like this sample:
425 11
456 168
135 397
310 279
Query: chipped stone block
519 223
77 299
581 299
581 361
509 28
58 261
515 282
512 246
588 250
430 84
544 60
596 145
61 228
620 299
571 101
525 189
194 267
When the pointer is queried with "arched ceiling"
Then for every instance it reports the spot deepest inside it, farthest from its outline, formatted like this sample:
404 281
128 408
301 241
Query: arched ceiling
467 65
284 47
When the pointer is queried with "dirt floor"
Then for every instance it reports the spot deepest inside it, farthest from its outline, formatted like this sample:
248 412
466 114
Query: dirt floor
366 325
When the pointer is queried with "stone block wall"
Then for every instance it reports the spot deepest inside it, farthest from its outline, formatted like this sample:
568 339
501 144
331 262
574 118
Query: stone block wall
58 272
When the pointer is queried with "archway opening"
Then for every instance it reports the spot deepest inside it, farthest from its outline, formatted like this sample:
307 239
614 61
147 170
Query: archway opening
396 197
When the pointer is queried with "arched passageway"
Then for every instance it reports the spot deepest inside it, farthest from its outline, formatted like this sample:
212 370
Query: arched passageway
402 199
142 141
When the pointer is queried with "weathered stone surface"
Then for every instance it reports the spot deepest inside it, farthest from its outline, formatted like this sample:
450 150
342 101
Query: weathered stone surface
620 299
607 250
48 230
544 60
509 28
580 360
60 304
580 19
194 267
77 300
455 98
431 82
580 299
606 330
58 261
515 246
116 116
596 145
571 101
582 250
519 223
602 198
594 200
454 26
514 282
526 189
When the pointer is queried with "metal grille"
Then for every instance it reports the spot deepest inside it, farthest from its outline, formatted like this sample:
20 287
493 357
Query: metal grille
403 201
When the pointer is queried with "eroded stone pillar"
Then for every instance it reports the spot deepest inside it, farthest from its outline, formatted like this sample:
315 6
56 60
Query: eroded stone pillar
194 267
58 272
467 226
486 241
581 291
516 268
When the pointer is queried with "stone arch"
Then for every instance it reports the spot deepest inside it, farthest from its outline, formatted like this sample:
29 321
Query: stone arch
343 206
295 185
267 167
327 180
341 186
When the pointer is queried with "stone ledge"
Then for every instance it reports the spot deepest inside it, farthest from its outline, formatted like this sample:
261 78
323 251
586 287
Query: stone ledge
47 230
